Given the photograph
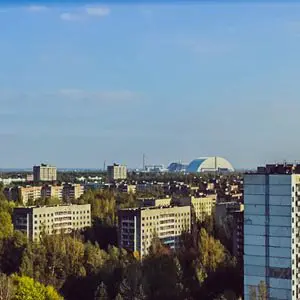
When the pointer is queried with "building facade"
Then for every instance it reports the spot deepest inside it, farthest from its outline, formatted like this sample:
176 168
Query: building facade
138 226
147 202
116 172
238 235
27 194
201 206
33 221
271 231
44 172
52 191
72 191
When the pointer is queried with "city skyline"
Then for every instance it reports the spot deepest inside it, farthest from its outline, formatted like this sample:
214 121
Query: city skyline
83 84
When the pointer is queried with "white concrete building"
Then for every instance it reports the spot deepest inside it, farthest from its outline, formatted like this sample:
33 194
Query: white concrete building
51 219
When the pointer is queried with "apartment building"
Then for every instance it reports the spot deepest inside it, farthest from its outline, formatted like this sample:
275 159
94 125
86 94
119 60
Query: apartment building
116 172
146 202
51 219
44 172
201 206
238 234
225 209
271 231
52 191
138 226
127 188
72 191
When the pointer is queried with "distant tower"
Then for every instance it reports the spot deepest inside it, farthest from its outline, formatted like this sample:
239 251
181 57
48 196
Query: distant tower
144 159
104 165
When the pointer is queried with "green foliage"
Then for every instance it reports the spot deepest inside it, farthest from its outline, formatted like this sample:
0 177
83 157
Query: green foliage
94 258
6 228
211 254
28 289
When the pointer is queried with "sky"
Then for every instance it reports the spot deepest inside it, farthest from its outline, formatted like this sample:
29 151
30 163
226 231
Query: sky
83 84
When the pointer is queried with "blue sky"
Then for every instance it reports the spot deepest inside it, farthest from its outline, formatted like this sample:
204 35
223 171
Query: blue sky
81 84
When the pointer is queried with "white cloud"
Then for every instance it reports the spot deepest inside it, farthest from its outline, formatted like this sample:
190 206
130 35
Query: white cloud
37 8
85 13
67 16
98 11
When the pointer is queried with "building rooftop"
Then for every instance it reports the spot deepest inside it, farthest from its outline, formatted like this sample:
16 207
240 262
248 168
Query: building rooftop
151 207
284 168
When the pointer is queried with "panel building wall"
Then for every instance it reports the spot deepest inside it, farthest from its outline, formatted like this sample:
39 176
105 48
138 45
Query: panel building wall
138 226
270 242
33 221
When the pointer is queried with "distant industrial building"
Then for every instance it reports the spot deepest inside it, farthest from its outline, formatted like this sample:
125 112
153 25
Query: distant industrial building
138 226
155 168
209 164
33 221
44 172
177 167
116 172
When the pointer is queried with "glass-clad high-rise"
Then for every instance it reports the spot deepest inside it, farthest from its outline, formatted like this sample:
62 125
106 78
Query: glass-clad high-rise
271 235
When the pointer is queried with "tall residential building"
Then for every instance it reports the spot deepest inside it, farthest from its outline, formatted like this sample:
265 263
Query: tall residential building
72 191
271 231
51 219
202 206
116 172
44 173
138 226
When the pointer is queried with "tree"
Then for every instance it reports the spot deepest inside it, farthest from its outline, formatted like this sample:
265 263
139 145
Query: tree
94 258
6 227
259 292
6 287
252 293
262 291
28 289
101 292
211 254
118 297
131 287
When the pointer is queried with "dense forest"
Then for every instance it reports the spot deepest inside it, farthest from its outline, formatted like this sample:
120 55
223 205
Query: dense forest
89 265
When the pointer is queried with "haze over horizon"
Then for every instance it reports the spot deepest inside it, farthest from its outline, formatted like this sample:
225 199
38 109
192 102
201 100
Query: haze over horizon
83 84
